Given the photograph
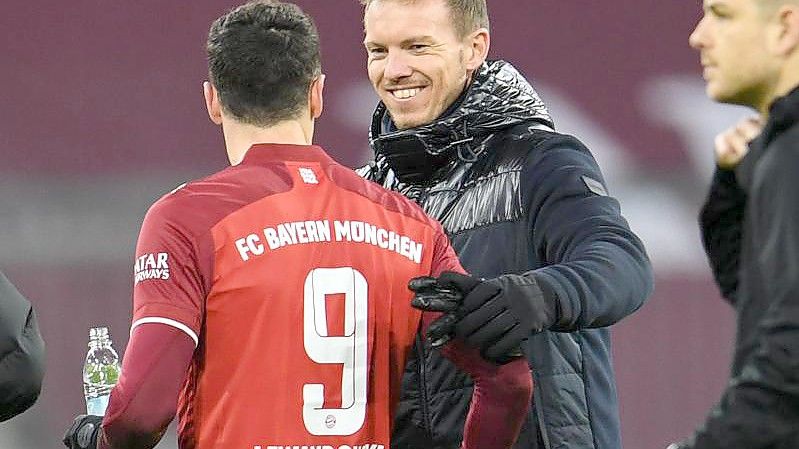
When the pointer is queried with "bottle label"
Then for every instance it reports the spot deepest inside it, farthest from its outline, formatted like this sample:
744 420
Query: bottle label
97 406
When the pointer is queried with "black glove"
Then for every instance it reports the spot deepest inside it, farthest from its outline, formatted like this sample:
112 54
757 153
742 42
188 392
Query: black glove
498 314
83 432
430 296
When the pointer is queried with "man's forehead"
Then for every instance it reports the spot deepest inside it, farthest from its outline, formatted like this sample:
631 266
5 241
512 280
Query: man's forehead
411 21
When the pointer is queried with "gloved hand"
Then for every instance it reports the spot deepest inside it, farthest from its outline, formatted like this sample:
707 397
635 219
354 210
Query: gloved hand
83 432
496 315
430 296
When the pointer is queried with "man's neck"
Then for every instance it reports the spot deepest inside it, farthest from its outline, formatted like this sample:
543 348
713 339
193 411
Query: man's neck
239 137
787 82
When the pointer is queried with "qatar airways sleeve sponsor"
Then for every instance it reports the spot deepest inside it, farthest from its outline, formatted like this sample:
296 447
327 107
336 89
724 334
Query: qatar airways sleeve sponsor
151 266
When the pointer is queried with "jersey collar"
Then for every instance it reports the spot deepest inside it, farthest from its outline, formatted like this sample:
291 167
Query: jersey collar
270 152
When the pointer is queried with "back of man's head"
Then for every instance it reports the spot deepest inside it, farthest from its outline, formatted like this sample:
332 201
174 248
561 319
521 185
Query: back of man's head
467 15
262 58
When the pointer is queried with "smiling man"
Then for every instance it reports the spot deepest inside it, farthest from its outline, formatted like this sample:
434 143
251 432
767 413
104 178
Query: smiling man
524 206
749 50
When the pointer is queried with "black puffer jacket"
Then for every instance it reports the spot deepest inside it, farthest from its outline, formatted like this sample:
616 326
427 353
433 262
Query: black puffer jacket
21 352
516 197
750 227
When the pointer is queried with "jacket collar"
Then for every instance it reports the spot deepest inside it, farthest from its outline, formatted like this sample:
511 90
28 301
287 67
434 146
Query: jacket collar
783 114
499 97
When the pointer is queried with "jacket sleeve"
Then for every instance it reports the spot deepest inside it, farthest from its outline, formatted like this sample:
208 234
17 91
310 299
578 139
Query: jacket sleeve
761 405
721 222
595 270
21 352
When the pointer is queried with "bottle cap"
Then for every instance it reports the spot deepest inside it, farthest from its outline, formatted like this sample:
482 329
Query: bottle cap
96 333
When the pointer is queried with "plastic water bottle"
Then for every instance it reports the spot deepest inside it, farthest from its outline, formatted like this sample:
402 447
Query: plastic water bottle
100 372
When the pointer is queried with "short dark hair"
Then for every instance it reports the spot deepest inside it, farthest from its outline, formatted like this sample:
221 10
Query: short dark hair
467 15
262 58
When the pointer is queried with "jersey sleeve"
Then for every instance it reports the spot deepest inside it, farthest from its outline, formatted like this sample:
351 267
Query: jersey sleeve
169 285
144 400
444 257
502 393
501 397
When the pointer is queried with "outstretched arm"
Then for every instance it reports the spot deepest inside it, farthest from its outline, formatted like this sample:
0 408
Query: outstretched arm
502 393
144 401
501 398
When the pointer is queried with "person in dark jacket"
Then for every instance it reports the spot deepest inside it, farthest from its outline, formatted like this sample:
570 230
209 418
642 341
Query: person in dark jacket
525 207
750 222
21 352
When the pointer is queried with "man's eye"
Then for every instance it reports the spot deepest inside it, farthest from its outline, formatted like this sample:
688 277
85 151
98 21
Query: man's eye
376 51
719 13
417 47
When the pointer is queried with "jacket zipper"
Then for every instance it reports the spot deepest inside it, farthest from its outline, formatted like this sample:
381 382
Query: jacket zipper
420 352
427 425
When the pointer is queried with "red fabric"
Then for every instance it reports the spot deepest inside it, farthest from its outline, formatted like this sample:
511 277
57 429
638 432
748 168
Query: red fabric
500 399
144 400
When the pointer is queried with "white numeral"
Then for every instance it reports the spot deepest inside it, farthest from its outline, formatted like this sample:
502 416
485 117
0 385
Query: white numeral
348 350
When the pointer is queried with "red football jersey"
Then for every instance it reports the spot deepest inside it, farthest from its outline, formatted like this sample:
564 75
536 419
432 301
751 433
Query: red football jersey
290 272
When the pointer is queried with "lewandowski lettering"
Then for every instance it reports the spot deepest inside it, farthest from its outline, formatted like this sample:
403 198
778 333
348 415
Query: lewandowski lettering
322 446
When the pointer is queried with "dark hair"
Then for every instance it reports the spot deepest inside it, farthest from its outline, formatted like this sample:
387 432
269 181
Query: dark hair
467 15
262 58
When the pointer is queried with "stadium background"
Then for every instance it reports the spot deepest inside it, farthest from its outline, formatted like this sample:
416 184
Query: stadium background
101 112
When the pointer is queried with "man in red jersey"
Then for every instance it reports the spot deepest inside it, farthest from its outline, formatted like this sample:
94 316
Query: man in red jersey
271 307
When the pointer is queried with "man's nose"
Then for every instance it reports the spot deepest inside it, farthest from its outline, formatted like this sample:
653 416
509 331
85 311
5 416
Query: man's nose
397 66
697 38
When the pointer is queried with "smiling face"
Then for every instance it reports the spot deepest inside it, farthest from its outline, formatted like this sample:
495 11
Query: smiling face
732 39
417 62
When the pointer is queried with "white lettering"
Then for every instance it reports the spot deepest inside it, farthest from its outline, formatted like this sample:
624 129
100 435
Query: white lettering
310 228
382 235
302 235
370 232
357 231
254 244
342 230
323 228
151 266
285 238
405 246
292 230
271 238
393 241
416 252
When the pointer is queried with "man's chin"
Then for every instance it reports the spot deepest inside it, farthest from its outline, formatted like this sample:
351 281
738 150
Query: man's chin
716 93
719 95
407 121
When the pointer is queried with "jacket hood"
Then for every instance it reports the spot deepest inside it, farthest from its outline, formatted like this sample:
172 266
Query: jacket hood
498 97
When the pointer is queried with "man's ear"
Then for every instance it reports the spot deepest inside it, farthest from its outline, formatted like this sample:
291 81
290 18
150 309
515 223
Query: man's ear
212 103
315 96
478 44
785 35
